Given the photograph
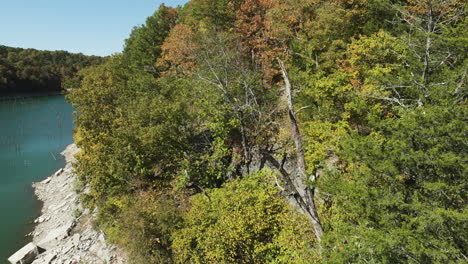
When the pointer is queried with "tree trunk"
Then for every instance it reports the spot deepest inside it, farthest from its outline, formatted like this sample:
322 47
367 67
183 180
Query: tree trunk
306 200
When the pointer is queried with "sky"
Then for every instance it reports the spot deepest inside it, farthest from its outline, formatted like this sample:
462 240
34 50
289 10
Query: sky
92 27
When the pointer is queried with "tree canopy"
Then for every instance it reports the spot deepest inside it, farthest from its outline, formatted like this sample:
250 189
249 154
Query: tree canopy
282 131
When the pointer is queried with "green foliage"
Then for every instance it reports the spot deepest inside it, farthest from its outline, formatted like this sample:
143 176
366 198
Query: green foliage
96 103
379 87
243 222
134 126
142 224
143 46
401 198
209 14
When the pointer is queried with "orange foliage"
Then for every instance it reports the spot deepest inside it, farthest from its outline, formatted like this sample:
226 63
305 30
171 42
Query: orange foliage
265 28
436 7
254 29
178 51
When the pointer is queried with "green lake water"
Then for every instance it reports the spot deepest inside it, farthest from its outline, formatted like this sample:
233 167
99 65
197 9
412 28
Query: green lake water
33 131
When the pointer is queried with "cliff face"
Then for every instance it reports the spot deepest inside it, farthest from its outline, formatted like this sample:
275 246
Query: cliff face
64 233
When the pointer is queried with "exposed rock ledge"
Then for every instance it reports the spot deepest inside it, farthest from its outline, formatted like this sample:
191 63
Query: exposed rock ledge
64 233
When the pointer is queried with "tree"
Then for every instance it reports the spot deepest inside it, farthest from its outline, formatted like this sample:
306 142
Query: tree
427 24
360 126
209 14
260 46
143 47
243 222
178 50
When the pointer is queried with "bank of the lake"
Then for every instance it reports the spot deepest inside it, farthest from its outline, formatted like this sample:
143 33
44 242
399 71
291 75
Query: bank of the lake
64 233
22 96
33 131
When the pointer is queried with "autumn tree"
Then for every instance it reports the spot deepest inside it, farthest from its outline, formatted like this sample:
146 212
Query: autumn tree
178 50
260 47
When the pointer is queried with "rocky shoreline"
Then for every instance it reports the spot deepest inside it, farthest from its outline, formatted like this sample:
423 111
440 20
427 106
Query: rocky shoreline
64 232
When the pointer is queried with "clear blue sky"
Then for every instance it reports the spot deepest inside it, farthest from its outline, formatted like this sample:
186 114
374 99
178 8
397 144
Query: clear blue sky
92 27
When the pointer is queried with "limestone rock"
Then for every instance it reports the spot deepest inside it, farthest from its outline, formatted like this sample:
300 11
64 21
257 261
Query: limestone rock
65 236
25 255
58 172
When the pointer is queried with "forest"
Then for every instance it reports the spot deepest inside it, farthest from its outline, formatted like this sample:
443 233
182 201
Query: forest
36 71
281 131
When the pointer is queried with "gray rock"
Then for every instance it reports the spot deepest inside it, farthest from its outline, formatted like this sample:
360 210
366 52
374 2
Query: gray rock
46 258
76 239
46 181
25 255
66 238
53 236
58 172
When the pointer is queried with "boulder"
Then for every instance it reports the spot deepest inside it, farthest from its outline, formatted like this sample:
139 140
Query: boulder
25 255
53 236
46 181
57 173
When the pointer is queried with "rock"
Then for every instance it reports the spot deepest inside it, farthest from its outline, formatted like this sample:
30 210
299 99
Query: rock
46 181
102 238
58 172
56 207
65 237
76 239
46 258
25 255
86 211
50 257
67 248
55 235
41 219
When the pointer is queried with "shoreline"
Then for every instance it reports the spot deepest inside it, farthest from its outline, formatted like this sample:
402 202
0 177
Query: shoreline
12 97
63 232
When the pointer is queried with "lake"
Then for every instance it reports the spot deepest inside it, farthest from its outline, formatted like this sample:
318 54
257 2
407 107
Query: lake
33 132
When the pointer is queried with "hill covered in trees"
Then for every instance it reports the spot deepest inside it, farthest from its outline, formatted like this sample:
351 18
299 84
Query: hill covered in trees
37 71
282 131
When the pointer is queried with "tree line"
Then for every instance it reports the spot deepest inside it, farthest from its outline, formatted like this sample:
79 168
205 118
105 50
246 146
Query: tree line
37 71
281 131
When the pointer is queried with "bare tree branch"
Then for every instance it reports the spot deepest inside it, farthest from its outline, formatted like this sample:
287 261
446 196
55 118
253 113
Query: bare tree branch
308 199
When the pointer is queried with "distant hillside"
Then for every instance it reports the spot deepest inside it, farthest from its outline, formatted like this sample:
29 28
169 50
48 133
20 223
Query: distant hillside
37 71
